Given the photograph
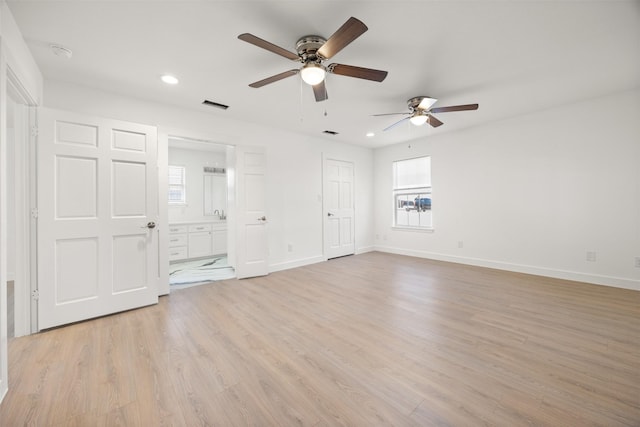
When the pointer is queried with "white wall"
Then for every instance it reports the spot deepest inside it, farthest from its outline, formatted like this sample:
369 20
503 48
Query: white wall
194 162
294 163
18 55
532 193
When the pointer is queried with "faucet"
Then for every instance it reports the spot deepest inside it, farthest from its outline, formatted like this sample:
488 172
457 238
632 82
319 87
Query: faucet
216 212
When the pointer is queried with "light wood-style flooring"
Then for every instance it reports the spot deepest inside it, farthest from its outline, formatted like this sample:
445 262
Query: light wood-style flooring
367 340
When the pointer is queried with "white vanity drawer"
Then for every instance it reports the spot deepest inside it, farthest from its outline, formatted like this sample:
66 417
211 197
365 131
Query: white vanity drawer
199 227
176 240
177 229
177 253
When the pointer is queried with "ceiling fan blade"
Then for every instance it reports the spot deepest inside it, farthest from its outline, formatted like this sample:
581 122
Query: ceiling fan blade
350 30
358 72
275 78
257 41
320 91
454 108
389 114
433 121
426 103
395 124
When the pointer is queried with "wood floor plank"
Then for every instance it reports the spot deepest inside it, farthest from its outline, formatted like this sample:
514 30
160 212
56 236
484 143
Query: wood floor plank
368 340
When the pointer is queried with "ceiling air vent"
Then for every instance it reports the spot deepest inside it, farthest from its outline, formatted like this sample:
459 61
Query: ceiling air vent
209 169
330 132
215 104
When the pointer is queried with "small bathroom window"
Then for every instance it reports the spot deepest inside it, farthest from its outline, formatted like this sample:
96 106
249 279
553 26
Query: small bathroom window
177 187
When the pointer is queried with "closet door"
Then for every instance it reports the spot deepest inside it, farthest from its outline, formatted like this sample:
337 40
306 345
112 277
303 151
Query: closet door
339 213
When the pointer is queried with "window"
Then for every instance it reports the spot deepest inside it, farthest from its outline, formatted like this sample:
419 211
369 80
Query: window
412 193
177 193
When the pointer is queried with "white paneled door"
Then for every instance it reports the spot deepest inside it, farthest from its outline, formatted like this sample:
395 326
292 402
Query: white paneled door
252 257
97 213
339 226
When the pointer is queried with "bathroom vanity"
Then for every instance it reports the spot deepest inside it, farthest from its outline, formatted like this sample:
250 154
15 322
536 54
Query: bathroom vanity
191 240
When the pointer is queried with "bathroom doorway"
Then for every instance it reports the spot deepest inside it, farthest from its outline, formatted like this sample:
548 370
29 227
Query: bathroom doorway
198 189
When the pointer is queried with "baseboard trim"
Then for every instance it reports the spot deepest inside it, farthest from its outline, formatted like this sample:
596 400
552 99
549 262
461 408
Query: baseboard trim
295 263
616 282
311 260
365 249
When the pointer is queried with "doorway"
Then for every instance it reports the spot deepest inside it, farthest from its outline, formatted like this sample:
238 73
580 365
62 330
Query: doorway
198 208
21 310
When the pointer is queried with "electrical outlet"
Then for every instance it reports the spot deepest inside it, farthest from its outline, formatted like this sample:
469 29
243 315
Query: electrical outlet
460 244
637 261
290 247
591 256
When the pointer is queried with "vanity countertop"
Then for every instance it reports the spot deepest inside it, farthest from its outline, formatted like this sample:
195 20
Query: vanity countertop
207 221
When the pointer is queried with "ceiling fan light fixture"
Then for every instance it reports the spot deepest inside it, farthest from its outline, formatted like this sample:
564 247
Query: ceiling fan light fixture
313 73
418 119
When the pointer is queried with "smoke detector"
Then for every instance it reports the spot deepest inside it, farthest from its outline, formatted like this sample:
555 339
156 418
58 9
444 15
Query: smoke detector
60 50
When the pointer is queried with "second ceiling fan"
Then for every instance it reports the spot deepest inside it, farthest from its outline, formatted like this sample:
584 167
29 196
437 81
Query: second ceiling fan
311 51
420 112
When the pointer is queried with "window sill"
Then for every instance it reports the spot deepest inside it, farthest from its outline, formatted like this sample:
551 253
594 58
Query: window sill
408 228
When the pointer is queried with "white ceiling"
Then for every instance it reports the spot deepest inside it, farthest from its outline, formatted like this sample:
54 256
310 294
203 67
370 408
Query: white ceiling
511 57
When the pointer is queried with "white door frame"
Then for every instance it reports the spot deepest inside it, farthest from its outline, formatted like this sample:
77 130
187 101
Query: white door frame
4 373
163 213
25 173
26 305
11 84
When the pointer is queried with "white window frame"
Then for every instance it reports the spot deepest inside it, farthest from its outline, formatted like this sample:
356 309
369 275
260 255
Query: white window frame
411 193
181 187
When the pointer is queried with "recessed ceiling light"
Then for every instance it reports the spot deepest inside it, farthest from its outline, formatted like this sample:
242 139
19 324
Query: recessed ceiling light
169 79
371 134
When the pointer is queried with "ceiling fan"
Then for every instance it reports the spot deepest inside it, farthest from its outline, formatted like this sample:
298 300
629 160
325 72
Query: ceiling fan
420 112
311 51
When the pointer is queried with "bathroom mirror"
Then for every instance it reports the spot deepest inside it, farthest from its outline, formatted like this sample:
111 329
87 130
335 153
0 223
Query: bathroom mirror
215 195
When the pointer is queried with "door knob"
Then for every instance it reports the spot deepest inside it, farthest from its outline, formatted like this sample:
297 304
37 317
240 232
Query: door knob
264 218
329 214
150 225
